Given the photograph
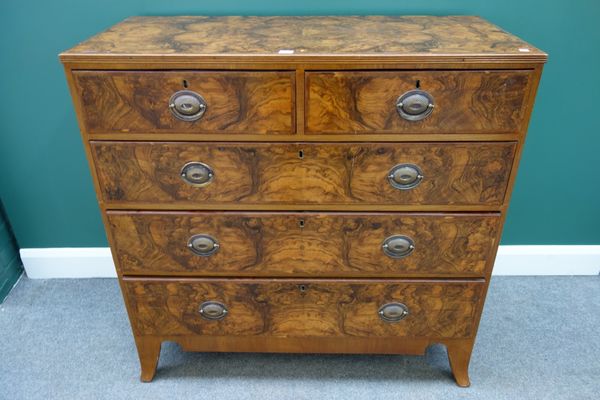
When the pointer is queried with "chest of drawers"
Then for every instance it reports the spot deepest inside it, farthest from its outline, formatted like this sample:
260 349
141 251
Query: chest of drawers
304 184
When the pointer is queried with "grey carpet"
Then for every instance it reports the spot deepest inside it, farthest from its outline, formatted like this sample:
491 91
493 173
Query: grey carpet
70 339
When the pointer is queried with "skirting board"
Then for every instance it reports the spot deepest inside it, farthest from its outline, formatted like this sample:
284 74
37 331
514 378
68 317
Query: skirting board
96 262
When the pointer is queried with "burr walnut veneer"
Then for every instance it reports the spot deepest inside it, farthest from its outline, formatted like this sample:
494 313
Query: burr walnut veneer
304 184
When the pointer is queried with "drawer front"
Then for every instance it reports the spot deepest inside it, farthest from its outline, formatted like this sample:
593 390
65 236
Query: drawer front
303 244
318 308
139 102
463 101
284 174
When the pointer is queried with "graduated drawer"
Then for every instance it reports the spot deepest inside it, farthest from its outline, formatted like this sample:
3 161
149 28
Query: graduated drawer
462 101
302 244
270 174
303 308
257 102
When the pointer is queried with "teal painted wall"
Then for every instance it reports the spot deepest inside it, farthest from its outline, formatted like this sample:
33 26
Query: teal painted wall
44 178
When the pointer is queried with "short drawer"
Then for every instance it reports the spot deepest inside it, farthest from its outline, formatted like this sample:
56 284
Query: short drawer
294 308
268 174
303 244
416 101
167 102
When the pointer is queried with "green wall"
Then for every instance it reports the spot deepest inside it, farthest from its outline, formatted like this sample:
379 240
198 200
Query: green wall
44 179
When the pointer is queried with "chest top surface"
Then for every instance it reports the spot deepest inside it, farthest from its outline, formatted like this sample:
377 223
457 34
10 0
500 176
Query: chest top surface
234 38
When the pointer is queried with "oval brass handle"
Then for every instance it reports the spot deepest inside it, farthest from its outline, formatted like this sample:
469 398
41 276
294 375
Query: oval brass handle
197 174
398 246
203 245
393 312
213 310
415 105
187 105
405 176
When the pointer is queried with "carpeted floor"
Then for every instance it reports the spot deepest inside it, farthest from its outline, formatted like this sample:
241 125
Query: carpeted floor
70 339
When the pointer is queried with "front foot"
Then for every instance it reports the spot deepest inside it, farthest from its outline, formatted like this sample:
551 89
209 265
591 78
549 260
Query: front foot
459 355
148 351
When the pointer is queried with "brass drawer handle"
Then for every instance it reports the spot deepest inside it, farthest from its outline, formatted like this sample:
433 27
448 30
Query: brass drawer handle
405 176
197 174
393 312
213 310
398 246
415 105
187 105
203 245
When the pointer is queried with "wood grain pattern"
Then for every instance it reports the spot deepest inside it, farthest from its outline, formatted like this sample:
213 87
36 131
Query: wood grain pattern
419 37
339 173
280 308
484 82
302 244
138 101
465 101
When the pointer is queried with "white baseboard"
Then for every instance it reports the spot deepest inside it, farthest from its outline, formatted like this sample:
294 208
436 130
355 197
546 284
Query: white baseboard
547 260
68 262
96 262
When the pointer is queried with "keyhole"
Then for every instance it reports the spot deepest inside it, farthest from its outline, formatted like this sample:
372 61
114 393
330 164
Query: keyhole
185 83
302 288
301 154
301 223
418 84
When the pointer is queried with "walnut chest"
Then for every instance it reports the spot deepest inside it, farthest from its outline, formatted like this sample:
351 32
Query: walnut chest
304 184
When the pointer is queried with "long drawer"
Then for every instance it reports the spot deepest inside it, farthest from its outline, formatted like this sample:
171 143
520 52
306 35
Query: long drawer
416 101
244 174
302 244
310 308
256 102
